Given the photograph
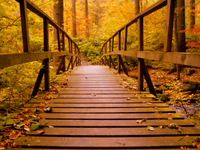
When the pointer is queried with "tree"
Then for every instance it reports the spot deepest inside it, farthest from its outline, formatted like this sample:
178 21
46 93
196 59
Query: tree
180 28
74 33
86 18
58 12
192 13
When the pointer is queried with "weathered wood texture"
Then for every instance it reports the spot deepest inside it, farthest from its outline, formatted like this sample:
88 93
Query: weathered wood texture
98 118
190 59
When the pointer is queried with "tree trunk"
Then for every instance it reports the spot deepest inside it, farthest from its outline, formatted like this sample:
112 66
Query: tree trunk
74 18
192 14
58 15
58 18
181 44
86 19
97 17
137 7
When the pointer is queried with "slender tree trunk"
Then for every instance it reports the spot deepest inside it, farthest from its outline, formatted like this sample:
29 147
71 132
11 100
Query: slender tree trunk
192 14
97 13
181 44
86 19
137 7
74 33
58 18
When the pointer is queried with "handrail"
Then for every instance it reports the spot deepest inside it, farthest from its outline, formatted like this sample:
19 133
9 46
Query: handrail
18 58
177 57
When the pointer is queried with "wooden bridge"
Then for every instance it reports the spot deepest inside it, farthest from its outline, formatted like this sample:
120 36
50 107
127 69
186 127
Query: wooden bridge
95 111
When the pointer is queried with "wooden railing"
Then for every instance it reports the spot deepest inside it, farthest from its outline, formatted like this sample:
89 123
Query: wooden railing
7 60
189 59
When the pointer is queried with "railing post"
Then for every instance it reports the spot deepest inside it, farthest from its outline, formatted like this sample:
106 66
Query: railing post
24 24
44 71
119 48
125 37
46 48
63 45
169 29
110 55
113 43
106 45
140 61
58 37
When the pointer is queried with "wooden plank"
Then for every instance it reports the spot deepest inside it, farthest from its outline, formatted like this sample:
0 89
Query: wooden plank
7 60
96 96
117 132
111 117
94 89
115 123
24 24
87 149
143 105
95 101
190 59
113 110
107 142
112 92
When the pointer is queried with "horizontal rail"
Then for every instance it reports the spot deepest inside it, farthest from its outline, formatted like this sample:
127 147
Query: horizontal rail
7 60
144 13
35 9
190 59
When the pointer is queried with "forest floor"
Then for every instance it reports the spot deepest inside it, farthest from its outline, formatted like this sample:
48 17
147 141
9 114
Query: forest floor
182 95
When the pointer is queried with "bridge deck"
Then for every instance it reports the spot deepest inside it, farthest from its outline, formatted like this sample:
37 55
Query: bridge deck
96 112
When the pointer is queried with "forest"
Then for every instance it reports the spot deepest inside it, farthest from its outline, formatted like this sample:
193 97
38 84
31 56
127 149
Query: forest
90 23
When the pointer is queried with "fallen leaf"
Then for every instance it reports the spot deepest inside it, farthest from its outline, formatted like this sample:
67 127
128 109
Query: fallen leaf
14 135
144 120
26 128
28 110
173 126
10 122
40 131
48 109
139 121
65 83
150 128
34 126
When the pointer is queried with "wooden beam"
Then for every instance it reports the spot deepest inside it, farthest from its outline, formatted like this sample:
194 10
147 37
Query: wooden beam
119 48
58 38
189 59
125 37
123 66
169 29
140 47
63 46
70 61
24 24
113 42
46 48
7 60
39 79
148 80
110 56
